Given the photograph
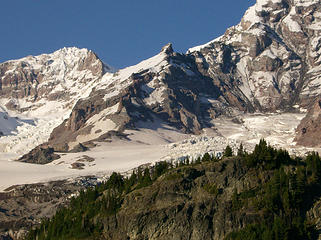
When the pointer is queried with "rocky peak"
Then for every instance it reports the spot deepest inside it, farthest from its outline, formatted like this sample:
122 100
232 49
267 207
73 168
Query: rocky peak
294 15
51 76
264 12
39 92
168 49
83 58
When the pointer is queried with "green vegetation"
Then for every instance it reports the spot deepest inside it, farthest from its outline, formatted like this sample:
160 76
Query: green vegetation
284 199
81 219
228 152
173 176
286 189
266 157
240 151
211 188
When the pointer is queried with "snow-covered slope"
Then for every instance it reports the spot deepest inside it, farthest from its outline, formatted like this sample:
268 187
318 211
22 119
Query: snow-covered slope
137 93
157 141
38 93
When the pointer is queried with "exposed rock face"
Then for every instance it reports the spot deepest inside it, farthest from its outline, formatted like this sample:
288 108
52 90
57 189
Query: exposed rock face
24 206
177 206
309 130
271 58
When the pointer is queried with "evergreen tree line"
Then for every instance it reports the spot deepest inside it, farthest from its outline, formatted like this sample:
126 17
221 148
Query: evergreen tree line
264 156
80 219
282 200
77 221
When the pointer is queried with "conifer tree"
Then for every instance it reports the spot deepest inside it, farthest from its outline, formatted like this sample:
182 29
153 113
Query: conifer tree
240 151
228 152
206 157
146 179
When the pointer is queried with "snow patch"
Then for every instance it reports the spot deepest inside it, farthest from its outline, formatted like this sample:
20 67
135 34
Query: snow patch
121 79
292 25
200 47
99 124
154 94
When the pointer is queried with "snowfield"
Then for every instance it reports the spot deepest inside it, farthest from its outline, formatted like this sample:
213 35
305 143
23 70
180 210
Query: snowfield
22 138
156 141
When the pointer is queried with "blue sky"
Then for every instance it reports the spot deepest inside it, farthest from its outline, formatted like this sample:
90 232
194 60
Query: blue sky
121 32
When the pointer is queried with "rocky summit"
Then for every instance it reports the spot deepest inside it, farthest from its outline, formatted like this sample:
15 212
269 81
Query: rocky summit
37 93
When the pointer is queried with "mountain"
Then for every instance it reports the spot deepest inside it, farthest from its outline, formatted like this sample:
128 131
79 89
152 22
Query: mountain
268 63
167 86
37 93
49 76
260 79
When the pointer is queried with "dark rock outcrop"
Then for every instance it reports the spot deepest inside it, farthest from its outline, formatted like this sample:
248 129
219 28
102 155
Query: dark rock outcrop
79 148
42 154
309 130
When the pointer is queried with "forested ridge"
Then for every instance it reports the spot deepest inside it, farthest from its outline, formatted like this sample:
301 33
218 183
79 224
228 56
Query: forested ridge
285 188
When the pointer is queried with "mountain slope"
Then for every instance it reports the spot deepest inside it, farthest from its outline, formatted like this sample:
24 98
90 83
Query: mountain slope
167 86
252 196
272 57
37 93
